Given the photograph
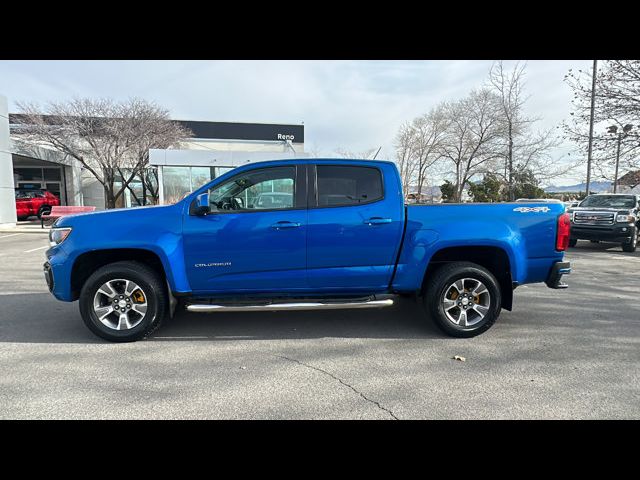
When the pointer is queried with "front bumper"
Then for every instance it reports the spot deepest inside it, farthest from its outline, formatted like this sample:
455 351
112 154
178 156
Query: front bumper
48 275
614 233
57 273
554 280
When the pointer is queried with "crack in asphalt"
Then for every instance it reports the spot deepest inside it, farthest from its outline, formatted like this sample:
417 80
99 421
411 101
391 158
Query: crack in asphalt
377 404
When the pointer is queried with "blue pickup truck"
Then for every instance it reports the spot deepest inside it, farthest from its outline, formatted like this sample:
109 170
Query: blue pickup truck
303 234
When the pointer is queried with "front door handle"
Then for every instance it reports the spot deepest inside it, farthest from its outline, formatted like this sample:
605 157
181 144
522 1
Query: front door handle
377 221
281 225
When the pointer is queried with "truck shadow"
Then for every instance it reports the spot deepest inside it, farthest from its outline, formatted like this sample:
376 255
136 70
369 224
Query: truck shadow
406 319
39 318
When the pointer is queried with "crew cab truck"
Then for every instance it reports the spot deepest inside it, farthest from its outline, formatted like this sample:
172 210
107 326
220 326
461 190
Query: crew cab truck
608 218
344 240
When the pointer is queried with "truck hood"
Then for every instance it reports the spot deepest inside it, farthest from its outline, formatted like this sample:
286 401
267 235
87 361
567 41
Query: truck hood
118 215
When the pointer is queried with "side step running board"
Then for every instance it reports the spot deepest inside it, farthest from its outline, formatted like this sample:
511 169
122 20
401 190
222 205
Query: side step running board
196 307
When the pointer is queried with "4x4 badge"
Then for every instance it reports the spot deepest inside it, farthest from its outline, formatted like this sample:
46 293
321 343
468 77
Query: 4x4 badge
531 209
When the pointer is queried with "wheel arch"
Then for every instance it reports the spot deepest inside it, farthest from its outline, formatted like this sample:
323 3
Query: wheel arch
88 262
494 259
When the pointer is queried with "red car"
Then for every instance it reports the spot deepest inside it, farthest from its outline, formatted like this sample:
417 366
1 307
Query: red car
30 202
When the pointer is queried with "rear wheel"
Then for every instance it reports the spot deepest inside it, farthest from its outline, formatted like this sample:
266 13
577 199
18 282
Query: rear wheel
464 299
573 242
123 301
633 243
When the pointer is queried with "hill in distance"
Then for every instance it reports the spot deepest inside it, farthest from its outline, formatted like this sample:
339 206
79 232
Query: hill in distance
580 187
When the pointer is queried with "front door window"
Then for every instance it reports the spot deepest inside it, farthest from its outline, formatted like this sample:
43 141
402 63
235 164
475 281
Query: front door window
265 189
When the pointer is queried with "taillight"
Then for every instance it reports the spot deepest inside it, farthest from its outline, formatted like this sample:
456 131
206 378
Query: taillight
564 231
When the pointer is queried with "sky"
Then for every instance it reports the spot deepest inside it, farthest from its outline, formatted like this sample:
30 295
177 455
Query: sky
350 105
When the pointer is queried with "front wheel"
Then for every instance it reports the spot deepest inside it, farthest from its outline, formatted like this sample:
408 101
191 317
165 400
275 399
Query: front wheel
464 299
632 244
123 301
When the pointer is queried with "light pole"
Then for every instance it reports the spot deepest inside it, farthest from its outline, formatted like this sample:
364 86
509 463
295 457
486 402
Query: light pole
593 100
625 131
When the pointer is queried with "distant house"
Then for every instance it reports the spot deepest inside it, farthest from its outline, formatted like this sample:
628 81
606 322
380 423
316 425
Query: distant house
629 182
427 194
422 198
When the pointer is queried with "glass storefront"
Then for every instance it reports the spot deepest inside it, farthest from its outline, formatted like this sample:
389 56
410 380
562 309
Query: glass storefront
180 181
48 178
141 191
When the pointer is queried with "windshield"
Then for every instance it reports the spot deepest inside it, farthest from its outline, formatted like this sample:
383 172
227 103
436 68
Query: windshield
610 201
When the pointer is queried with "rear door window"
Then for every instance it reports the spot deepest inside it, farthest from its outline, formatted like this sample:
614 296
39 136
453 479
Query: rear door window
340 185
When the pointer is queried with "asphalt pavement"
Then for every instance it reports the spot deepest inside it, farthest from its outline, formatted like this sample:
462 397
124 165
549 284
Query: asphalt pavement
560 354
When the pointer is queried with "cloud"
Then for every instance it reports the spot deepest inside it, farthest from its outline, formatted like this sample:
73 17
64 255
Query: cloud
354 105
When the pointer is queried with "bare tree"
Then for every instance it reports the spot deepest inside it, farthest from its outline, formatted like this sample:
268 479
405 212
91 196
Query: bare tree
314 151
523 148
150 187
617 103
472 138
405 157
418 149
364 155
110 139
429 132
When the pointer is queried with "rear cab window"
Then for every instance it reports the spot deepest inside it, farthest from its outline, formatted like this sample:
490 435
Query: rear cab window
341 185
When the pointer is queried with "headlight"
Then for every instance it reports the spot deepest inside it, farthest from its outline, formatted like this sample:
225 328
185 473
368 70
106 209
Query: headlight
58 235
625 219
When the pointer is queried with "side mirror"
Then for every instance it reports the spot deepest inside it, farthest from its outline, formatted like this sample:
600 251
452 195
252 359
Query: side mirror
202 206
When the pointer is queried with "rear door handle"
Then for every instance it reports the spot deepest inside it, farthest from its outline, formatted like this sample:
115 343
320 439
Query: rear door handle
377 221
281 225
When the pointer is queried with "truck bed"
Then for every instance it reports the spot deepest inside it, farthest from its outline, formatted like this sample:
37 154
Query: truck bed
526 232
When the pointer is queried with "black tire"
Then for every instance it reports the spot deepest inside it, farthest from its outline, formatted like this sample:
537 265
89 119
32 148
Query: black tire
573 242
147 279
633 244
45 209
439 283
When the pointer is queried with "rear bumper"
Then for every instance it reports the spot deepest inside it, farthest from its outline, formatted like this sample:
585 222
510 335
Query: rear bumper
614 233
554 280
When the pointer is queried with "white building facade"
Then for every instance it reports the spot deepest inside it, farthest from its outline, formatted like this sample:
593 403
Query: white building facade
214 148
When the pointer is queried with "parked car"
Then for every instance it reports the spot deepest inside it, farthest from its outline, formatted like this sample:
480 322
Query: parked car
346 241
34 202
607 217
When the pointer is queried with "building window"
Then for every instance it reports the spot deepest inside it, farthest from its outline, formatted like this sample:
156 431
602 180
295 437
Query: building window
176 183
180 181
29 174
52 174
140 191
201 176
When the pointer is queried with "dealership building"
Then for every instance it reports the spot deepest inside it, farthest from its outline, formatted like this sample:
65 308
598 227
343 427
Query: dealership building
213 149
